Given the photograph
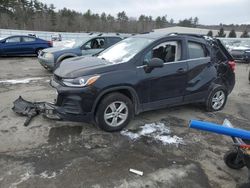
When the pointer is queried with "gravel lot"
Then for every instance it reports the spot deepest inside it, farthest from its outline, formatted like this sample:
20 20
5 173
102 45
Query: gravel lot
52 154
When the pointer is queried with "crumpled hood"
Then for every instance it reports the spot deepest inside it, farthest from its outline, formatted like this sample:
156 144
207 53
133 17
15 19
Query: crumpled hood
83 66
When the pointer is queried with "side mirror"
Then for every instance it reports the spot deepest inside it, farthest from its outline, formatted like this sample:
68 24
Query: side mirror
153 63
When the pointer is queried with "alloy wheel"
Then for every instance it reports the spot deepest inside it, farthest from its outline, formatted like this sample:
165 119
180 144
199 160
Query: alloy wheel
116 113
218 100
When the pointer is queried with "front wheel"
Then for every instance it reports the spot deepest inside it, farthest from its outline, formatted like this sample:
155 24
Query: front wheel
216 99
114 112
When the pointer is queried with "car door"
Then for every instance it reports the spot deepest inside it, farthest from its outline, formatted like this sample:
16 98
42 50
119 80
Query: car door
94 46
166 85
201 71
12 46
28 45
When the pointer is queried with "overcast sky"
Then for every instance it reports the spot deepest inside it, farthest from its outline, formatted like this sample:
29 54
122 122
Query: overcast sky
208 11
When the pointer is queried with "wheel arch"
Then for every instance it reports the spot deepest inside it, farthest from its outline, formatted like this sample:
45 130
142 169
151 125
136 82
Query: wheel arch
125 90
64 56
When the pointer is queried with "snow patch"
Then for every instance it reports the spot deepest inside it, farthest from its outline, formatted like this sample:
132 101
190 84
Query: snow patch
24 178
156 131
20 81
46 175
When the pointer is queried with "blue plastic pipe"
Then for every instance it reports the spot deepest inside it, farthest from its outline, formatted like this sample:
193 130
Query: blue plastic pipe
219 129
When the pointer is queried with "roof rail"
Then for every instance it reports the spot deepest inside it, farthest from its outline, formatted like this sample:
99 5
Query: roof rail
187 34
99 34
145 32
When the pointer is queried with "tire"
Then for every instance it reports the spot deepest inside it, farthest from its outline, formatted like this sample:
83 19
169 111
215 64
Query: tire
229 159
115 119
37 51
249 76
217 99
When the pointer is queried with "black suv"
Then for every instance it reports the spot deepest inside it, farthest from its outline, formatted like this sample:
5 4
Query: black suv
141 73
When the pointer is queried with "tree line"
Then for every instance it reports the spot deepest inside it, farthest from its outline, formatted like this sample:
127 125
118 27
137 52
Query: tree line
35 15
231 34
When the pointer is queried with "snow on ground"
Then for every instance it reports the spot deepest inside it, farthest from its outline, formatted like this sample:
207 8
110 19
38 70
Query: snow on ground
155 131
21 81
65 43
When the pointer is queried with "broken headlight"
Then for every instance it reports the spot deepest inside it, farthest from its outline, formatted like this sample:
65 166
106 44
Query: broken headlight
81 81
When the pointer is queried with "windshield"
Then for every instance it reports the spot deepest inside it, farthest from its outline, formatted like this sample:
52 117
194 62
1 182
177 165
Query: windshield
80 42
124 50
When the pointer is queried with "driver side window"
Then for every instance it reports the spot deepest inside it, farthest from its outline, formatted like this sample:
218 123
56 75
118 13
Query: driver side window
167 51
96 43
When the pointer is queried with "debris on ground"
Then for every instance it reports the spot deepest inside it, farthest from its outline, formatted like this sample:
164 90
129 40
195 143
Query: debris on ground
136 172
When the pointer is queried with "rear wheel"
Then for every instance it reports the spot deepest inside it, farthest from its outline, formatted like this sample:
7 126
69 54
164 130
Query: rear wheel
249 76
38 51
216 99
233 160
114 112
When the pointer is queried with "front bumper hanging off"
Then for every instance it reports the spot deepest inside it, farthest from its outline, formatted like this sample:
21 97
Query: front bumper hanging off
32 109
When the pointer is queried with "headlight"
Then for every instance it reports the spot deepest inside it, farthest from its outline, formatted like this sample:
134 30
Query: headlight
48 56
81 81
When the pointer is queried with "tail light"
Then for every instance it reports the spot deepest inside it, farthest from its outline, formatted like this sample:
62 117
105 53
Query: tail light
232 65
50 43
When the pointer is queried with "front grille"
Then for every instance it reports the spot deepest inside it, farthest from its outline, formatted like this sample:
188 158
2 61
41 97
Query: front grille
57 78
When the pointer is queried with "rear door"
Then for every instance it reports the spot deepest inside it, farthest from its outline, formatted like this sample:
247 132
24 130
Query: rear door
201 71
163 86
28 44
12 46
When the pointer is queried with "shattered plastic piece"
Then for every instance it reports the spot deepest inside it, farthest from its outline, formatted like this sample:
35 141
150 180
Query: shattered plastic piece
25 108
32 109
136 171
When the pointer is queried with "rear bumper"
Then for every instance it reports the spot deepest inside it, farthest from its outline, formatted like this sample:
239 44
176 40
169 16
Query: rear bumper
74 104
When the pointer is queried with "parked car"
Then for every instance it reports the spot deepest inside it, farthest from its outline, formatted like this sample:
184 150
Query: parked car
56 37
49 58
22 45
141 73
241 54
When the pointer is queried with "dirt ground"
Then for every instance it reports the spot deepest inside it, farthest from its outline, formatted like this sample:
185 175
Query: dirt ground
52 154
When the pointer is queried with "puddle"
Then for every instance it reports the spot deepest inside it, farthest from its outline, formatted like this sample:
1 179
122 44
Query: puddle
21 81
155 131
59 134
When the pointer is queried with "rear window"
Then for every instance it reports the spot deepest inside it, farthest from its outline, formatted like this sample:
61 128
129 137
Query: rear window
196 50
28 39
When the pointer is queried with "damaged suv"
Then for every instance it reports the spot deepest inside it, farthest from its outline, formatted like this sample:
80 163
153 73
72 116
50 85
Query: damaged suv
141 73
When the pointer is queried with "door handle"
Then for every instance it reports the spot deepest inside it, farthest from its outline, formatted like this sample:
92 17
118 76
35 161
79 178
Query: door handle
180 70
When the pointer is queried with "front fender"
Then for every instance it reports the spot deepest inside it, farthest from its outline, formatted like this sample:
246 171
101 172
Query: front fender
67 55
117 88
